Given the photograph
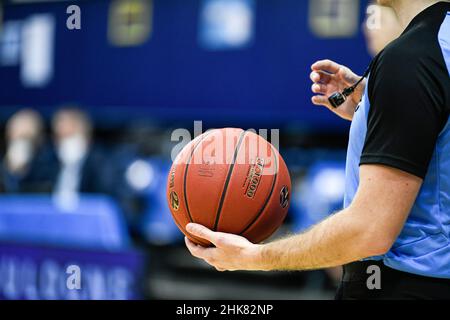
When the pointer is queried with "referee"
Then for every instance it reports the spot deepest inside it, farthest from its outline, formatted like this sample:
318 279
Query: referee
396 220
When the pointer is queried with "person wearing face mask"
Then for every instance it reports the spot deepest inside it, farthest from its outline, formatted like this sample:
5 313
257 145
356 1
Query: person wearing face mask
80 162
25 167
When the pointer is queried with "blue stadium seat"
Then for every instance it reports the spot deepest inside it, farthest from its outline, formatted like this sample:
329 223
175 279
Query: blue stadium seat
90 222
157 225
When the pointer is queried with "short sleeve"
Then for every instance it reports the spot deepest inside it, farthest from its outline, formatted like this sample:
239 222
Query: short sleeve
406 114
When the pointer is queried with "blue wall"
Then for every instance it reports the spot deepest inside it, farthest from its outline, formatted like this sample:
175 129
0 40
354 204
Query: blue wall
172 77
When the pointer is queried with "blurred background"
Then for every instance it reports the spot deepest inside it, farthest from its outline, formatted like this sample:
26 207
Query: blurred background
90 93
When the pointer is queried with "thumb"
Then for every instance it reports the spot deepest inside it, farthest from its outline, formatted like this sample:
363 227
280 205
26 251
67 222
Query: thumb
348 76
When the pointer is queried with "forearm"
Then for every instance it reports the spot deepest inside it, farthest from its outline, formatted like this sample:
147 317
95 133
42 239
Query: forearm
369 227
337 240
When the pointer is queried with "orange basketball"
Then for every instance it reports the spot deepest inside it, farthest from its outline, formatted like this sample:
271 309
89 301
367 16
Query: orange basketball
231 181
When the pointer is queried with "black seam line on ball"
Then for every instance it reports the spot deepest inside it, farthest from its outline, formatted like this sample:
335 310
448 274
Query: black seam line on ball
186 173
269 196
227 181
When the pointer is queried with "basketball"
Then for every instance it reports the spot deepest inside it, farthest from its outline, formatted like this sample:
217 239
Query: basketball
231 181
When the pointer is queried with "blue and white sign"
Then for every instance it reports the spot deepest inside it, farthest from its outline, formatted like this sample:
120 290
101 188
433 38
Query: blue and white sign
226 24
46 273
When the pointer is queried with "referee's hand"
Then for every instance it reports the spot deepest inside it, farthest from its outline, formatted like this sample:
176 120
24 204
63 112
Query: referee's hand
329 77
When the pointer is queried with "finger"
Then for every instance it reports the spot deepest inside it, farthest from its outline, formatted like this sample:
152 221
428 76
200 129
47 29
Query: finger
202 232
320 77
319 88
326 65
321 101
192 247
196 250
220 269
348 76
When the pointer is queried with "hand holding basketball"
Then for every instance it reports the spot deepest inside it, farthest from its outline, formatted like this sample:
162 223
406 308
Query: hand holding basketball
230 181
231 252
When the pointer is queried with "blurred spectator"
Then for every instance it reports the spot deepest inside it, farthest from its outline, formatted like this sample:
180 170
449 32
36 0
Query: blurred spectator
27 162
381 28
80 162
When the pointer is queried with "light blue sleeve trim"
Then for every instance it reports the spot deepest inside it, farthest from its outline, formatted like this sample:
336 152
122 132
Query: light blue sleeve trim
444 40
